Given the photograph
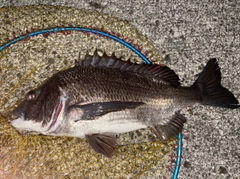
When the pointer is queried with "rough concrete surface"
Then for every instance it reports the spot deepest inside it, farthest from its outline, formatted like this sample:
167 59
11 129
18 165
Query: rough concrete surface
190 32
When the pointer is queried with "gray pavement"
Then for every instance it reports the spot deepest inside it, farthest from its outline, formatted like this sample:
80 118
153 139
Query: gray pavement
190 32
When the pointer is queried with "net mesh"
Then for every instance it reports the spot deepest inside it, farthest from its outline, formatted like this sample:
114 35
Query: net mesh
26 64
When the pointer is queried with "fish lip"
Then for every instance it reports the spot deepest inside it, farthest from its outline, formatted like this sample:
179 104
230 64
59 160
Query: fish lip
14 117
20 110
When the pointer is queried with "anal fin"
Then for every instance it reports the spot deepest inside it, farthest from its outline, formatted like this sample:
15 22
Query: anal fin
171 129
102 143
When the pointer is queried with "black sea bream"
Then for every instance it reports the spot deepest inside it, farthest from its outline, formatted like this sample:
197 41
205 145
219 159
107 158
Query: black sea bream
103 96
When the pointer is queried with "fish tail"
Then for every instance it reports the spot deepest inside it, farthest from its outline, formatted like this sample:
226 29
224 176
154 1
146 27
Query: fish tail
211 90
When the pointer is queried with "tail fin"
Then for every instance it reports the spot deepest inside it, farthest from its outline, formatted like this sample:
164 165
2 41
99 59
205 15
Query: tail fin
212 92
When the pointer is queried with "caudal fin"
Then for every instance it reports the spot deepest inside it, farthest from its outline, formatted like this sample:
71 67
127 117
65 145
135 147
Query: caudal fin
212 92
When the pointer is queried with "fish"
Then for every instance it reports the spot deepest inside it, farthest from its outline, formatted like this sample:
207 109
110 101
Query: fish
102 96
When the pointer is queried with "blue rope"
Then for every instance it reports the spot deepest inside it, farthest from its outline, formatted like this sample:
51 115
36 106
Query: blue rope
179 157
82 29
98 32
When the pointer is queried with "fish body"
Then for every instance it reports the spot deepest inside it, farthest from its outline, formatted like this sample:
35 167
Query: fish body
103 96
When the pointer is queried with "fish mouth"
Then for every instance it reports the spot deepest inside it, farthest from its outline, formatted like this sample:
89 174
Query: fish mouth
20 110
55 122
14 117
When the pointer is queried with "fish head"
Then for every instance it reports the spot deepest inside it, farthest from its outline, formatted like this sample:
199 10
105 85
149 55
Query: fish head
39 111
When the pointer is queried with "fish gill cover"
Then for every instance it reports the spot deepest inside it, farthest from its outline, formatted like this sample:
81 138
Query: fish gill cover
26 64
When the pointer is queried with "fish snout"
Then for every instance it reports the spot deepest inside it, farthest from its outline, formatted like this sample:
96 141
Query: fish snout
20 110
14 116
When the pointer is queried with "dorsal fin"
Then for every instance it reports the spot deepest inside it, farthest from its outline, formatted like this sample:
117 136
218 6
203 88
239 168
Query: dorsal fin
161 73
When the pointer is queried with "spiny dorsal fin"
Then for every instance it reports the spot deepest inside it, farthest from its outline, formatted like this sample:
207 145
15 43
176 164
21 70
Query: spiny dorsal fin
160 73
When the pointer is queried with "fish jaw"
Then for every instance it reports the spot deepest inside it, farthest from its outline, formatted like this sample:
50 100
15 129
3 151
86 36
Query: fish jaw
28 125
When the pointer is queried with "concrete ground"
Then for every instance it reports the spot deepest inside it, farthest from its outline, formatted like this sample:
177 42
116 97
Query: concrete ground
191 32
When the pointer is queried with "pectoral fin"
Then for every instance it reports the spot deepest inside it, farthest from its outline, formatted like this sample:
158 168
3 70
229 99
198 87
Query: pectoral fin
171 129
92 110
102 143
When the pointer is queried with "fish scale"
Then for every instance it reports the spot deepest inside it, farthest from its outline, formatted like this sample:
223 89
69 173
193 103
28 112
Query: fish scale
133 88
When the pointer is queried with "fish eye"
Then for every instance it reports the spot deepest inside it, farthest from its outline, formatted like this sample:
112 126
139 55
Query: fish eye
31 95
